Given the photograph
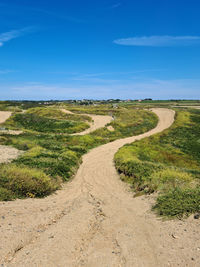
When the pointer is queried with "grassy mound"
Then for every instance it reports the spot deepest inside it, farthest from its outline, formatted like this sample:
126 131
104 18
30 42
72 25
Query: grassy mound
166 162
55 113
46 121
19 182
47 125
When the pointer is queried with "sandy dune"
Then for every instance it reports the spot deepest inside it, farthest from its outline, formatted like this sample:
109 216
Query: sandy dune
95 221
99 121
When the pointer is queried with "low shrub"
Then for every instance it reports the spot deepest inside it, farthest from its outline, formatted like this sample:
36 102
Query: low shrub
6 195
23 181
168 179
178 202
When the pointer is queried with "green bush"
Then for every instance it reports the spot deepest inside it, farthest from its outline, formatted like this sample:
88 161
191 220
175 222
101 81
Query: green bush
168 179
23 181
178 203
6 195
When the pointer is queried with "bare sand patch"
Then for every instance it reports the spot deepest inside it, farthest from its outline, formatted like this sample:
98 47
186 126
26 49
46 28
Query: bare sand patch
7 154
12 132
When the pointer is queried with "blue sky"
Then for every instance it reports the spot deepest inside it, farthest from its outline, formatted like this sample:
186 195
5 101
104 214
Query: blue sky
99 49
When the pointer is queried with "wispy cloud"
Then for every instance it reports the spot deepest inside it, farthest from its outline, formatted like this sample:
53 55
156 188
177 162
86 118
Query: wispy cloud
26 9
112 77
159 41
7 36
6 71
105 74
116 5
153 88
57 15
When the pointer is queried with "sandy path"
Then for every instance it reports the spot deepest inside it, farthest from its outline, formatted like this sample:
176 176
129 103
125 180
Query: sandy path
95 221
4 115
99 121
7 153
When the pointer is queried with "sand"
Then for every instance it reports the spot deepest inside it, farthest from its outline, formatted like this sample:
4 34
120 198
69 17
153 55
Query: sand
4 115
95 221
7 153
98 121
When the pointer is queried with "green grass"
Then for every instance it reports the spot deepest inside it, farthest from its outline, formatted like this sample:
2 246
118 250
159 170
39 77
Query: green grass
9 107
48 120
128 123
55 113
178 203
58 156
166 162
19 182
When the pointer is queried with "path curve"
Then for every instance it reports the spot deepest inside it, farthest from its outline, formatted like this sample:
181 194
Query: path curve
99 121
94 221
7 153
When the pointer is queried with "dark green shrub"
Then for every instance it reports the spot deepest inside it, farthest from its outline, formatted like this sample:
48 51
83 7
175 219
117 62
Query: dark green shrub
178 203
6 195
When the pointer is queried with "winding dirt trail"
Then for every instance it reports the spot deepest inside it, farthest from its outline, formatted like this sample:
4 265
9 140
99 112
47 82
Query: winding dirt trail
99 121
95 222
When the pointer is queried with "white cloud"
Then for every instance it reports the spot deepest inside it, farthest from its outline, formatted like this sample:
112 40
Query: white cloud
159 41
7 36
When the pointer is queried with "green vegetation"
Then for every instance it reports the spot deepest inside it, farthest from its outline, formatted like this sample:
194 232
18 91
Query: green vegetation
168 163
20 182
56 113
178 202
128 123
57 156
48 120
4 106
